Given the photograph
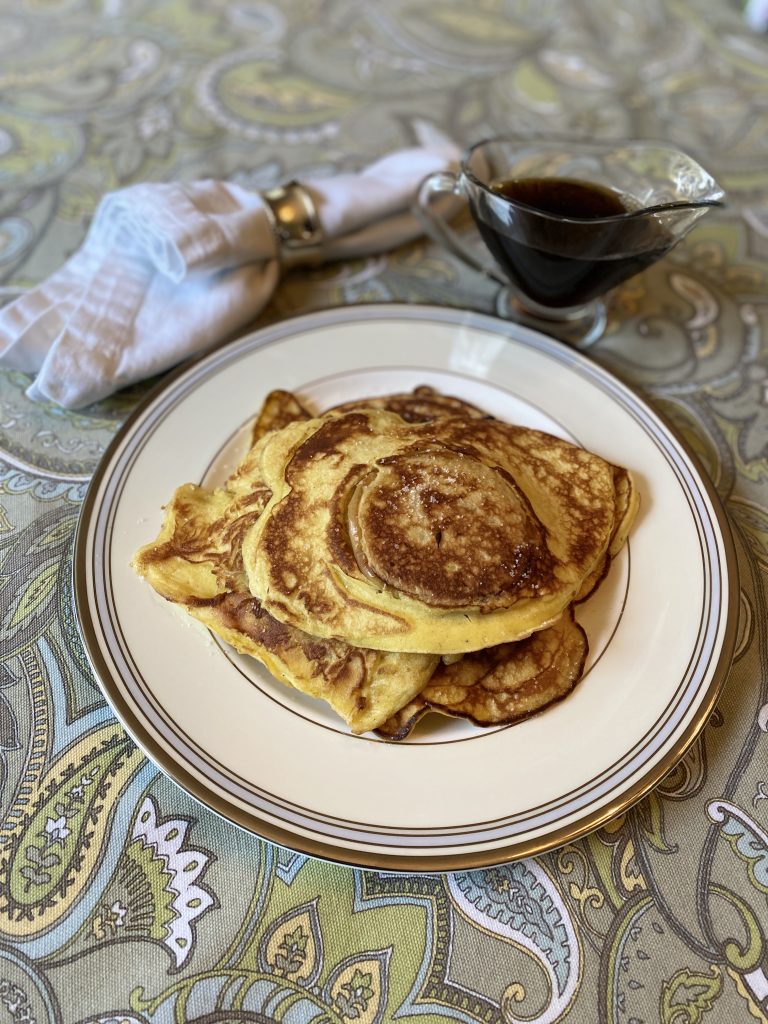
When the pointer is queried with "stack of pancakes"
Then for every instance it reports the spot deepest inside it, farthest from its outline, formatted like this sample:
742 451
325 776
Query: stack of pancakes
399 555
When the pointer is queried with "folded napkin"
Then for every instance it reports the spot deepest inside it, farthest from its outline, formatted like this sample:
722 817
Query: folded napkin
168 270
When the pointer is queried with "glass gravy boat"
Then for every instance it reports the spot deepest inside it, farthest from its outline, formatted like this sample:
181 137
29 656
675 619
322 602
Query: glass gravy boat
566 221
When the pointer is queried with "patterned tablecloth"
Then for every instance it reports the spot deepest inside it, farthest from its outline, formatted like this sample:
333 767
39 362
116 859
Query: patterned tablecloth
123 899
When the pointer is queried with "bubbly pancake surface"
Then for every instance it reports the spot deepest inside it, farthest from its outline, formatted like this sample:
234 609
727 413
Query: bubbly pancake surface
447 536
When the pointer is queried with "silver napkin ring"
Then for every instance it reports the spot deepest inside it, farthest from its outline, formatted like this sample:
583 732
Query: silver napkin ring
295 223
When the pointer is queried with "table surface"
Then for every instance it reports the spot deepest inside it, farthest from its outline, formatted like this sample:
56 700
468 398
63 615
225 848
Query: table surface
150 907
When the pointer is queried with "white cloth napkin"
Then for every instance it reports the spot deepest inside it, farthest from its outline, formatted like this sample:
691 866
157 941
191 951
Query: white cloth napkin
168 270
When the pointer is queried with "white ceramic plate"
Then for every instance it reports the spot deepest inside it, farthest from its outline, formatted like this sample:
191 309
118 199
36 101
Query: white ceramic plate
661 627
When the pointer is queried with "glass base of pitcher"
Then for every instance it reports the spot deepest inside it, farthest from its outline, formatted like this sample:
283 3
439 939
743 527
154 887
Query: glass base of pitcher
577 327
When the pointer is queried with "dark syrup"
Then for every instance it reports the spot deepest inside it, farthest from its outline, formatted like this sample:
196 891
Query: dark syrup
561 263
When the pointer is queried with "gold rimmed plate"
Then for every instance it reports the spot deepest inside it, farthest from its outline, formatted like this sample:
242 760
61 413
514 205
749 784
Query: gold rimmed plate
661 627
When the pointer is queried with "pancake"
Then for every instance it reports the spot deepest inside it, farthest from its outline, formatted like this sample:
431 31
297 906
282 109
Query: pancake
279 409
196 563
418 406
501 685
627 504
443 537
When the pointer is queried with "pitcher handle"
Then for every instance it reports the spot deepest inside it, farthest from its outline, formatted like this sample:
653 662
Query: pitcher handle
442 183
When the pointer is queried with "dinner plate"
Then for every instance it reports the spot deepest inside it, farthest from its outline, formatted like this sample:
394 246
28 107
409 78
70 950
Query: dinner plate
661 627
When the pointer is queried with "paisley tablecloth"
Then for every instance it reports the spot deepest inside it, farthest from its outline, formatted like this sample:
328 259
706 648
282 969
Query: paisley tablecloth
121 898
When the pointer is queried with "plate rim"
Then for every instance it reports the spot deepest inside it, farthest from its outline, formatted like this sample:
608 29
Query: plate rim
402 860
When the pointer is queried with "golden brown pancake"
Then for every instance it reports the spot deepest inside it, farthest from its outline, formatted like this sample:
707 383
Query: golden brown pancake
627 503
443 537
502 684
196 563
418 406
279 409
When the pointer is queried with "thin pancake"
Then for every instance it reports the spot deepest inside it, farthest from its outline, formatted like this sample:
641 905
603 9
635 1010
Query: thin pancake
418 406
197 563
503 684
279 409
447 536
